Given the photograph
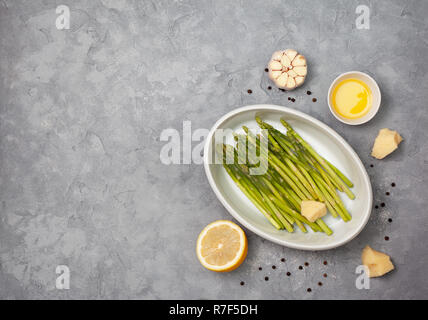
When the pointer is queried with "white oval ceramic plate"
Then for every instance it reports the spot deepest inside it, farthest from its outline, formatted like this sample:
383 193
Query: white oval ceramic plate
327 143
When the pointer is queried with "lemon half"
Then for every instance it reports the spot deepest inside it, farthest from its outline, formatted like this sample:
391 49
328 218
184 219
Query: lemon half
222 246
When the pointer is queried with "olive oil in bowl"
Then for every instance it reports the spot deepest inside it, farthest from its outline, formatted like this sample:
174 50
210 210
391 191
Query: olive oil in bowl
352 98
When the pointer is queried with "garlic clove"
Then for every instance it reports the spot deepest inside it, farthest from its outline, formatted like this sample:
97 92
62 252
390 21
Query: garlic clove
292 73
291 84
277 55
291 54
275 74
285 61
282 80
275 65
299 80
301 71
299 61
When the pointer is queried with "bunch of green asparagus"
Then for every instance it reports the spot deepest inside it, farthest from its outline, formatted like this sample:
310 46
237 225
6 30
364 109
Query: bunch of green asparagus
293 172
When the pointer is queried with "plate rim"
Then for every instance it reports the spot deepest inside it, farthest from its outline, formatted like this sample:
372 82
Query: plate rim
256 230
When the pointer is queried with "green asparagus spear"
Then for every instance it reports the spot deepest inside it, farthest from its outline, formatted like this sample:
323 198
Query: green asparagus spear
321 161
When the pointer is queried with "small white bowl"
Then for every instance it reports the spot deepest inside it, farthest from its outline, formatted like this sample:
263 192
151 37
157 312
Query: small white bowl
376 97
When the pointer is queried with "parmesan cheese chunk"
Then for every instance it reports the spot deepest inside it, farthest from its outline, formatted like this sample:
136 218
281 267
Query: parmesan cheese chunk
386 142
377 262
313 210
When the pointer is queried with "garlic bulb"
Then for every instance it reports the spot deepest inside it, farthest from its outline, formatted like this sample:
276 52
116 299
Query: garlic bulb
287 69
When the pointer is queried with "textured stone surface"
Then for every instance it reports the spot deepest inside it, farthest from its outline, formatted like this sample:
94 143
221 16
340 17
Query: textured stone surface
81 112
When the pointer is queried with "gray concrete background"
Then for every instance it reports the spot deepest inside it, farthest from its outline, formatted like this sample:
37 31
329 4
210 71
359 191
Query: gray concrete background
81 112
